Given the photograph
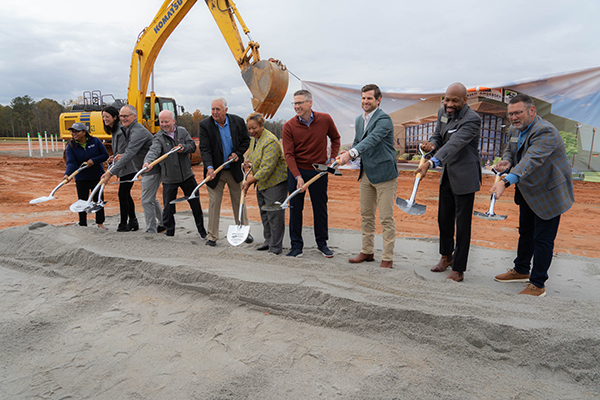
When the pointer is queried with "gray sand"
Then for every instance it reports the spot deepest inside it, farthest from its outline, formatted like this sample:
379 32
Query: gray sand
89 314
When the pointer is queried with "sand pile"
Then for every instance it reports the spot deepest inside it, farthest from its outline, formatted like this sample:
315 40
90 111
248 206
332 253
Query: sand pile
89 314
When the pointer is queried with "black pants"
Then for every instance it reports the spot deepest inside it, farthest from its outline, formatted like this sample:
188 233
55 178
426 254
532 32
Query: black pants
126 204
455 209
84 188
170 193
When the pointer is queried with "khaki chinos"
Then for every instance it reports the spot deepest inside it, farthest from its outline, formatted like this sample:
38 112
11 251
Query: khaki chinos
384 195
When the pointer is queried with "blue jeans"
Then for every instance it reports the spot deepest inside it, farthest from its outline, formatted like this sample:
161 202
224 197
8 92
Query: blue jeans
536 240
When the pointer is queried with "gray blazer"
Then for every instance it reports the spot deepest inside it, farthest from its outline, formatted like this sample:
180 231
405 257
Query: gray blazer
545 180
456 141
375 145
119 146
139 141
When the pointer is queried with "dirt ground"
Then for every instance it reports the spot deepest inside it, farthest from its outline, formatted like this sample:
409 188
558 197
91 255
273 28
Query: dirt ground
23 178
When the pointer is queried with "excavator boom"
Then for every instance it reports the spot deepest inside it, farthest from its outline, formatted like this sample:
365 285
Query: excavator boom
267 80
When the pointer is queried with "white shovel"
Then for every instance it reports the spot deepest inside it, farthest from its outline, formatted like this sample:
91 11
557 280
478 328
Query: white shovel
237 234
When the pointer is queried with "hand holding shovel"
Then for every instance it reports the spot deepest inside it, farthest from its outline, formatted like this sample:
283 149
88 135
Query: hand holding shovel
410 207
91 206
490 215
64 182
208 178
152 164
277 206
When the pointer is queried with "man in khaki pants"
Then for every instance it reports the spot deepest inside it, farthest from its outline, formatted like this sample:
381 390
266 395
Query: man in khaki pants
223 137
374 144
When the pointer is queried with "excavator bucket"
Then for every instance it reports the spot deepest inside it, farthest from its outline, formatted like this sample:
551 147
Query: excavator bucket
268 83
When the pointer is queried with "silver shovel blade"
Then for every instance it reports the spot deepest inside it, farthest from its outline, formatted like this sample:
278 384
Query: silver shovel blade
179 200
96 207
41 199
237 234
277 206
489 217
412 209
80 206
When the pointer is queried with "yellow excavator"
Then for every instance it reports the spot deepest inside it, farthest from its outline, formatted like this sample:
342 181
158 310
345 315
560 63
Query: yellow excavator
267 80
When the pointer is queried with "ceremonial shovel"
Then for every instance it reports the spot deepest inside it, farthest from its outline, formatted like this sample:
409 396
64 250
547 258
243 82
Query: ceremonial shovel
237 234
410 207
90 206
489 215
195 191
286 203
152 164
51 196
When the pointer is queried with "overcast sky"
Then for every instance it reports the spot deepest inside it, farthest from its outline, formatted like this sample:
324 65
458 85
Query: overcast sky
57 49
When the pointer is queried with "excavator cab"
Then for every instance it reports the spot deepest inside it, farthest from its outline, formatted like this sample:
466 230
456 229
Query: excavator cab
160 103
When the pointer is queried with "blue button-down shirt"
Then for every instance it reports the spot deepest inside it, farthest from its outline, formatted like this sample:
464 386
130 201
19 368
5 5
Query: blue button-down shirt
513 178
226 141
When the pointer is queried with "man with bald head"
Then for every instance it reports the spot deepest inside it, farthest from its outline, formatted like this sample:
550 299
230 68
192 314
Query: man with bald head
176 170
455 141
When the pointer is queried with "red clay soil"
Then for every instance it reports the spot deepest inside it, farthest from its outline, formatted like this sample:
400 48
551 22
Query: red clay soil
23 179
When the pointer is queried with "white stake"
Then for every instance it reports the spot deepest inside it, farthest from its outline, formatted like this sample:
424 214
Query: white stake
41 148
29 145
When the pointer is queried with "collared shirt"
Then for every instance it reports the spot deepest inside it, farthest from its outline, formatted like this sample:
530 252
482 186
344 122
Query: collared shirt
171 134
513 178
310 120
226 141
366 118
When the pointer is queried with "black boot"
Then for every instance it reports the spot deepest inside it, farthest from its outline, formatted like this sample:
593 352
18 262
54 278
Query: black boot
133 225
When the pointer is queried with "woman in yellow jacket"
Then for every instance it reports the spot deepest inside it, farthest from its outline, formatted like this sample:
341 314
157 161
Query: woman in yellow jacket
269 173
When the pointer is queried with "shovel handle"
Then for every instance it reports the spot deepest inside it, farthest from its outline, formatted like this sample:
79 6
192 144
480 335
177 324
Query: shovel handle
421 163
159 159
313 180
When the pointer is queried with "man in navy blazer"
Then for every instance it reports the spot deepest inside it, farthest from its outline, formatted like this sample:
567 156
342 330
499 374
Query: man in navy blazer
223 137
456 142
374 144
540 170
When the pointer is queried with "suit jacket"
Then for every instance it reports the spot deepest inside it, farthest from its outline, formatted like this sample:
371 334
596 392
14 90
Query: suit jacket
139 141
456 140
375 145
545 180
211 148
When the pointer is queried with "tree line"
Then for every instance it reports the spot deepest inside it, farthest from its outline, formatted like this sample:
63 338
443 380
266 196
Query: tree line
25 115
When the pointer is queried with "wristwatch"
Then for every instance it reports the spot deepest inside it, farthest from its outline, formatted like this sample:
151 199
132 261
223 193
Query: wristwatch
506 182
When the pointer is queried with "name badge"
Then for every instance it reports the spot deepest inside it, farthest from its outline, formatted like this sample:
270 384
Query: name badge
444 119
514 139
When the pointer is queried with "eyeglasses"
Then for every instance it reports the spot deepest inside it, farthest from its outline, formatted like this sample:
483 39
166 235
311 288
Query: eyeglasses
297 103
517 113
125 115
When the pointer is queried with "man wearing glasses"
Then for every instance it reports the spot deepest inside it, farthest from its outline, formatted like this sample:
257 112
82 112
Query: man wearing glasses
139 140
304 143
539 168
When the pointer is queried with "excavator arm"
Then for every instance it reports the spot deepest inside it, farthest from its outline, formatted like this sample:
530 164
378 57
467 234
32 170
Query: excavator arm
267 80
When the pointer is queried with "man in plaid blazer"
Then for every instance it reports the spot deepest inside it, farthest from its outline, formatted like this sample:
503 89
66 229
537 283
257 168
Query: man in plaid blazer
537 161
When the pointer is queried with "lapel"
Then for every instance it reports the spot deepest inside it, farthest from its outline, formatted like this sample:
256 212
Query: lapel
369 125
451 124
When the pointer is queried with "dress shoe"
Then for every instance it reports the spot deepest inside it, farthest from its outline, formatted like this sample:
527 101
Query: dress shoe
361 257
263 247
211 243
249 239
456 276
122 228
160 229
444 263
385 264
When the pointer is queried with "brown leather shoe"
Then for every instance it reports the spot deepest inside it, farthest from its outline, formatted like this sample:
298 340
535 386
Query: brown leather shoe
361 257
386 264
444 263
456 276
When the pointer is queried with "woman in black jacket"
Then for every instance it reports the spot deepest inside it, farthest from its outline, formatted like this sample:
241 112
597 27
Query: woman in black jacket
85 148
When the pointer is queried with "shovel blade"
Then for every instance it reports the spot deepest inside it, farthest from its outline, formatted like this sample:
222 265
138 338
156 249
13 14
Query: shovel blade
277 206
489 217
412 209
80 206
96 207
179 200
41 199
237 234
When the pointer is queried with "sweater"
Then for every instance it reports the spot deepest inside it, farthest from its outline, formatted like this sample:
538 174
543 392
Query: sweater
304 145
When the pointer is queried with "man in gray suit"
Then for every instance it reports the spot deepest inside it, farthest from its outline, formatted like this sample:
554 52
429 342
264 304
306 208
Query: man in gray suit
374 144
540 171
139 141
456 144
